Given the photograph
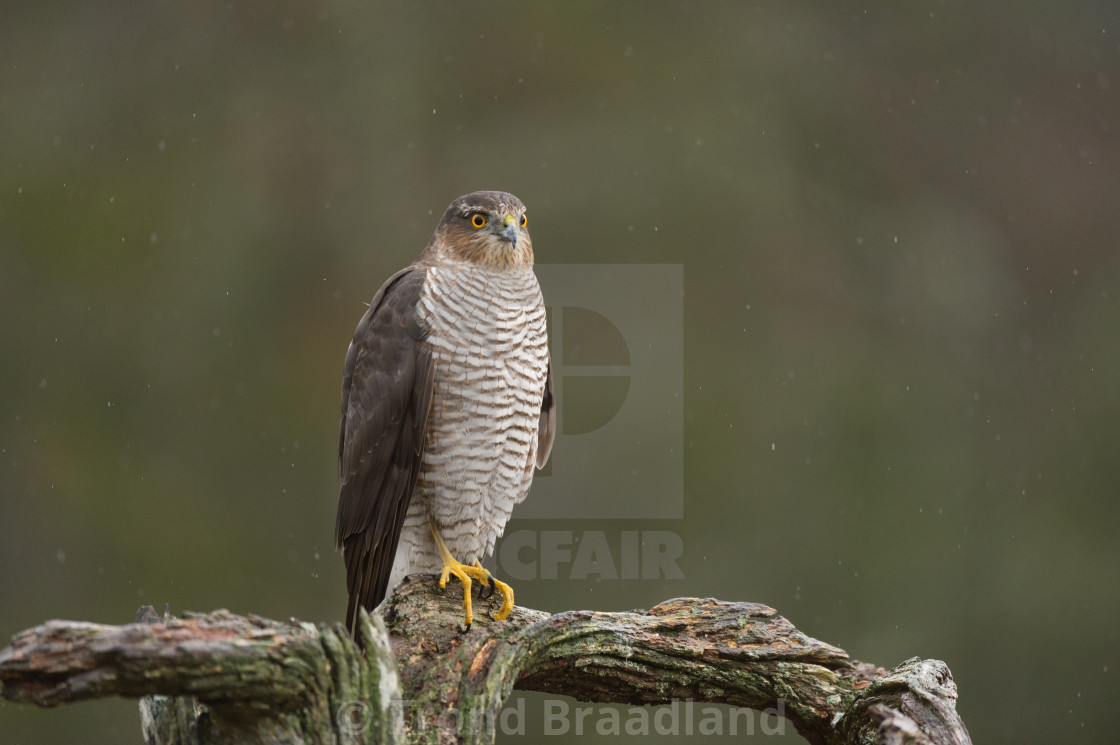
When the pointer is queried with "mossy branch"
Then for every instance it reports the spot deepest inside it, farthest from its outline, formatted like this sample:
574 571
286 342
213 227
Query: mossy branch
221 678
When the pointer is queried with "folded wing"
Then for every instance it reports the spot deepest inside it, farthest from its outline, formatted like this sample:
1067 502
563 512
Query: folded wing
386 397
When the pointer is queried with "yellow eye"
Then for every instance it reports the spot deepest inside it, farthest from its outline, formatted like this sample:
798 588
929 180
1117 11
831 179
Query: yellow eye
478 220
524 221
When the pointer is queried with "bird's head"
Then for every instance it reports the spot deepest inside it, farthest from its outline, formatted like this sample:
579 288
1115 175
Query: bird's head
484 227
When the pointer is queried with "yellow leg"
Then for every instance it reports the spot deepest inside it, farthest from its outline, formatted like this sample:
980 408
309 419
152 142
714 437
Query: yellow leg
464 572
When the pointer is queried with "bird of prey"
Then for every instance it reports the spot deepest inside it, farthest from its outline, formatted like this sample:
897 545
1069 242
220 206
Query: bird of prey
447 406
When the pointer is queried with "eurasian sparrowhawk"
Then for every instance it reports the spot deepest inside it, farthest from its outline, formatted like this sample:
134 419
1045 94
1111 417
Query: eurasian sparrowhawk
446 406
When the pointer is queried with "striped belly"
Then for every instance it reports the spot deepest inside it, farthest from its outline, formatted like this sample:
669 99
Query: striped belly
489 343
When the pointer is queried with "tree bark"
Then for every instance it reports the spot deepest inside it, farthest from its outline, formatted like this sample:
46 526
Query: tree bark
417 677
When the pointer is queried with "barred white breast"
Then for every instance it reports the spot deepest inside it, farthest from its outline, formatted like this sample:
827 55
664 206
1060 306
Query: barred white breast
490 353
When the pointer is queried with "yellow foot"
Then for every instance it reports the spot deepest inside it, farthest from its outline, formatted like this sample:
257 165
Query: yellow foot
465 573
502 587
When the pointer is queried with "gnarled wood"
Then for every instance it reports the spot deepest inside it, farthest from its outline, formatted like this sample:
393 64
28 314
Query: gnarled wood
233 678
225 678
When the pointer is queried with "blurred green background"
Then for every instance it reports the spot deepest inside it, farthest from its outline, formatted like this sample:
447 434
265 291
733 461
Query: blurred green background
899 232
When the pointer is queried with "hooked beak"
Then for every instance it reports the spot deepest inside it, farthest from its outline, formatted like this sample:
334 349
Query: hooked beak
509 229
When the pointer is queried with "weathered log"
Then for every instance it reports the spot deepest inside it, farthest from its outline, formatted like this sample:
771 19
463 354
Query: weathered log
232 678
418 677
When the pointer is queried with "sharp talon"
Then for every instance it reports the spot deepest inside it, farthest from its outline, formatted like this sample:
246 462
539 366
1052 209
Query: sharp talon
492 587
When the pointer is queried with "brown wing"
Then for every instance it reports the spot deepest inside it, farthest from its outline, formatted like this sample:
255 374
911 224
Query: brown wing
386 396
546 429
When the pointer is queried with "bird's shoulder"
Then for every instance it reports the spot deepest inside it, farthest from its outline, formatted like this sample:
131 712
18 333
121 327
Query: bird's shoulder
387 363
